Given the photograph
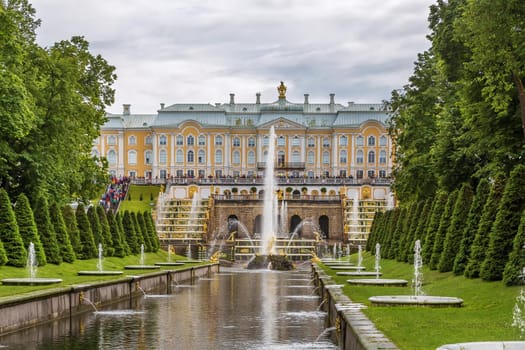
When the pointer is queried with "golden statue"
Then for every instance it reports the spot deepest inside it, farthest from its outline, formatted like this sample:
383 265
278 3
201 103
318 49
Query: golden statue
282 90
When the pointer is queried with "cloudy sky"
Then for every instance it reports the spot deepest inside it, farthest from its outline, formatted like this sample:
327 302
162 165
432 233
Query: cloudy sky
200 51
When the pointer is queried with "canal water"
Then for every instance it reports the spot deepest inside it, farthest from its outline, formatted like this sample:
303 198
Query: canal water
234 309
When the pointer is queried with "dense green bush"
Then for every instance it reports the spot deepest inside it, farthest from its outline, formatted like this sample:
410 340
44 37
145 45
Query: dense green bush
46 231
10 236
27 227
438 207
70 219
513 273
87 242
444 223
64 243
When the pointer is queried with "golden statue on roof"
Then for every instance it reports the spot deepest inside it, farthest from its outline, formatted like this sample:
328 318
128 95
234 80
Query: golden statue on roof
282 90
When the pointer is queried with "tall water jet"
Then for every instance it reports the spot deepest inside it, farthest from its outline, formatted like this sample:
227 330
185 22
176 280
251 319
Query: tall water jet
417 282
268 234
32 263
359 256
99 263
378 259
284 215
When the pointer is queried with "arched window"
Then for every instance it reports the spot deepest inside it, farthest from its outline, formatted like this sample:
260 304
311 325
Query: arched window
296 157
132 157
280 158
371 141
112 157
190 141
326 157
112 140
382 141
251 157
180 156
190 156
163 156
251 142
148 157
281 141
360 141
180 140
311 157
163 140
132 140
148 140
296 141
359 158
266 141
236 142
218 156
326 142
343 141
202 140
218 140
236 158
371 157
342 157
382 157
201 157
311 142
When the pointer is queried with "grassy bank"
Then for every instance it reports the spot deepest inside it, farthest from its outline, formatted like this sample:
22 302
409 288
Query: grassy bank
485 316
148 193
68 272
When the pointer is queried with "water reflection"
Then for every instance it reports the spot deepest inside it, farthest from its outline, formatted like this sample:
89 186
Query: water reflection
234 310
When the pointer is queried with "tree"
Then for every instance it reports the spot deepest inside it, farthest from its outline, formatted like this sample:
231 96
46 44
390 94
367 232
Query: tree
129 232
454 233
433 225
118 246
120 226
46 230
411 232
145 233
444 223
105 231
471 226
481 240
94 223
154 237
87 242
513 273
27 227
138 231
70 220
420 230
66 249
9 235
3 255
396 237
505 226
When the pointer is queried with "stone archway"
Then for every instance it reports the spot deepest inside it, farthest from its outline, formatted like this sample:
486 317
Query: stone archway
324 226
295 221
233 224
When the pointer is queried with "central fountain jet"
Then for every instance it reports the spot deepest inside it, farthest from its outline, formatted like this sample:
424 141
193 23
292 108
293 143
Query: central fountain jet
269 218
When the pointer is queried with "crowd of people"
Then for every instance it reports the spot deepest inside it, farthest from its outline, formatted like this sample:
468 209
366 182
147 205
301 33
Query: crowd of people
115 192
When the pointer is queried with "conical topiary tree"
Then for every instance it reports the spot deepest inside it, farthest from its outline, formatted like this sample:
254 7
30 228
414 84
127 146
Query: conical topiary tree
87 242
408 229
394 245
9 235
27 227
438 207
129 232
138 232
390 238
66 249
46 231
420 230
471 226
96 230
145 233
154 237
481 240
70 220
120 226
444 223
513 273
105 231
403 233
373 230
505 226
3 255
116 238
454 234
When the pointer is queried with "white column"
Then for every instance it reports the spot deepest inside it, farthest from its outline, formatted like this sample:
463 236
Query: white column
172 154
154 168
227 151
209 155
319 154
121 150
335 158
302 140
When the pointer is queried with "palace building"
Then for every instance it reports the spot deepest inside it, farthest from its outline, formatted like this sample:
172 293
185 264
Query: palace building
339 150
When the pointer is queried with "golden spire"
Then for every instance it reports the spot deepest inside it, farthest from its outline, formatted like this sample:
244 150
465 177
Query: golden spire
282 90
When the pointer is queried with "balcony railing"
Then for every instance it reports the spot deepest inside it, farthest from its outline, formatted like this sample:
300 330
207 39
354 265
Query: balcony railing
283 165
243 197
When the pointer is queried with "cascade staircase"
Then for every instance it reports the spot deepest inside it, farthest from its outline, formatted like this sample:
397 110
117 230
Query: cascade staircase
357 218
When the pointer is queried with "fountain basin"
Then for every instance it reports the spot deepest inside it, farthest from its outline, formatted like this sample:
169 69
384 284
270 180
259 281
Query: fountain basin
358 273
419 300
30 281
99 273
141 267
169 263
335 264
189 261
356 268
379 282
485 345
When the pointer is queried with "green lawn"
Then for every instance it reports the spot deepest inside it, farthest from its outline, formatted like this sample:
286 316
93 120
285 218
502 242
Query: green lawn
68 272
138 191
485 316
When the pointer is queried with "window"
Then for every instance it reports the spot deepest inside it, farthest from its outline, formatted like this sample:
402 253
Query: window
190 156
326 142
190 141
218 156
281 141
342 157
132 140
251 142
371 174
201 158
311 142
382 173
148 140
342 173
371 157
148 157
218 140
311 157
266 141
202 140
343 141
371 141
382 141
191 173
180 140
359 174
310 174
180 173
296 141
360 157
163 174
236 142
112 140
251 157
112 157
280 158
180 156
202 174
326 157
360 141
236 158
163 156
382 157
163 140
296 157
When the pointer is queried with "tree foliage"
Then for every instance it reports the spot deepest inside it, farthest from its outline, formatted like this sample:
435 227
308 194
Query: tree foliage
87 242
27 227
9 234
46 230
64 243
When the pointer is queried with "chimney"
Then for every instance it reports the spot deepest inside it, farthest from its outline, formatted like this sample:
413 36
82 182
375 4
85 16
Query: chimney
332 99
126 109
232 99
162 105
258 98
306 99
